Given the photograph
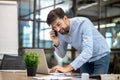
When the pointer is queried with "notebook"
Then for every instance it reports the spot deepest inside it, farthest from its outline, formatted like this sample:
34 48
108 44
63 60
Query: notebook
43 66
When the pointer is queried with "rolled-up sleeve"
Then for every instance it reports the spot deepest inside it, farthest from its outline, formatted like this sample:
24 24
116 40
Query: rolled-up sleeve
61 49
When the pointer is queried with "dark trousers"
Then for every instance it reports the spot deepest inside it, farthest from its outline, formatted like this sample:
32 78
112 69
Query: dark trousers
100 66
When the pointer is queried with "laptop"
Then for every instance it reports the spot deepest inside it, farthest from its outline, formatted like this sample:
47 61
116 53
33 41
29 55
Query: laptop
43 66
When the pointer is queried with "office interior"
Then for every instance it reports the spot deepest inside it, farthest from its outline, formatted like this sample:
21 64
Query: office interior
33 31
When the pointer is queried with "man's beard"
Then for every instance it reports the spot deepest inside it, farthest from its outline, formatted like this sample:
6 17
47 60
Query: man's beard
64 30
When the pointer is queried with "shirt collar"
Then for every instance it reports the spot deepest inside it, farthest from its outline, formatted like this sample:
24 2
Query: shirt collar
72 27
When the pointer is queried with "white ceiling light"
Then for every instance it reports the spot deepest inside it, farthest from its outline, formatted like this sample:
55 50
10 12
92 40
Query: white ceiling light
105 0
87 6
107 25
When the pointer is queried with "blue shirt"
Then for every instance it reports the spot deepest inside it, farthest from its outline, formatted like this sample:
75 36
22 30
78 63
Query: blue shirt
84 37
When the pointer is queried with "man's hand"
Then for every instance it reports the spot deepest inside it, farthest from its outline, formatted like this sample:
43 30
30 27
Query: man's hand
54 37
62 69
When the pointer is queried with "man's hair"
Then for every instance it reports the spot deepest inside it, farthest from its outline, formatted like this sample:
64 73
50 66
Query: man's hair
54 14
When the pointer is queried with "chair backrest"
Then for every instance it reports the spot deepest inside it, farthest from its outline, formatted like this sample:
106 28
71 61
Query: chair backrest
12 63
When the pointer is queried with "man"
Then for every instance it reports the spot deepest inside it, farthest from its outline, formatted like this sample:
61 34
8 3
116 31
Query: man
83 36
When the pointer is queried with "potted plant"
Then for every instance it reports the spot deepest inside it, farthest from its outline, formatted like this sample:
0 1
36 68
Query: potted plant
31 60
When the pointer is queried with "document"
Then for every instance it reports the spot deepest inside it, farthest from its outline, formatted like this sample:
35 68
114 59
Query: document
61 74
52 78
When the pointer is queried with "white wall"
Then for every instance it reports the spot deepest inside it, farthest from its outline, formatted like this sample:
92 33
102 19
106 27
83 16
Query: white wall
8 27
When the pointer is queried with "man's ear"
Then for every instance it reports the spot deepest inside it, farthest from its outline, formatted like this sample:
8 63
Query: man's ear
65 17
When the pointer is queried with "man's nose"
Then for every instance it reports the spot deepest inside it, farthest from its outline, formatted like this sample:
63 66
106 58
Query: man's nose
58 28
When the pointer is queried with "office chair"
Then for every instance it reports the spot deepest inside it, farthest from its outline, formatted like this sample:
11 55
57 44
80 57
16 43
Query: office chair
12 63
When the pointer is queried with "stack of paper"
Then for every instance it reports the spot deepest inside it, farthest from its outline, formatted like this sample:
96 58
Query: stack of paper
110 76
52 78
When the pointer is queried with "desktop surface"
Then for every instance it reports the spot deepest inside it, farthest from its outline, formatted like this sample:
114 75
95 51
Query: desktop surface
22 75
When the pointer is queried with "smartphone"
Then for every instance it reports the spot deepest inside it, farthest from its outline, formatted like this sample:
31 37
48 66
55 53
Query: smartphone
56 34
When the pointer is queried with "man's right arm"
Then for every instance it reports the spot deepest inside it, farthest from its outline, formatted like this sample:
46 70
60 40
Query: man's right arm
60 46
61 49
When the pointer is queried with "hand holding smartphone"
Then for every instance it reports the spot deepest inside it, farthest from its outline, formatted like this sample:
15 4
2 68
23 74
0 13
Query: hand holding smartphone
56 34
54 37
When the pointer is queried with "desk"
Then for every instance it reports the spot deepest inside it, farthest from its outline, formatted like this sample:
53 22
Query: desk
21 75
12 75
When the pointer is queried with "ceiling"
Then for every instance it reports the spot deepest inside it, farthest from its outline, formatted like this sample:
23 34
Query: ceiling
91 8
88 8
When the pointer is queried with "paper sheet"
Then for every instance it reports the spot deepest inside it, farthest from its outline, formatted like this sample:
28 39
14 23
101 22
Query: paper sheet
52 78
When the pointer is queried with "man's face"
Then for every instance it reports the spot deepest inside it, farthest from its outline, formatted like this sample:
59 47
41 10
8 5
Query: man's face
60 25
